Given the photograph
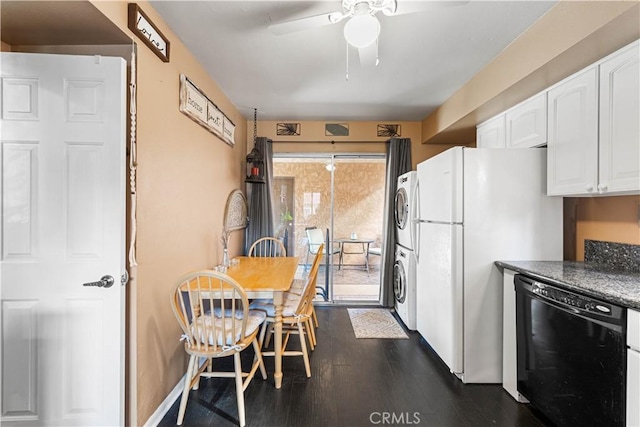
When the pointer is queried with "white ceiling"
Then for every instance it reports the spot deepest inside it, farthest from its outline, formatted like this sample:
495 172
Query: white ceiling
424 57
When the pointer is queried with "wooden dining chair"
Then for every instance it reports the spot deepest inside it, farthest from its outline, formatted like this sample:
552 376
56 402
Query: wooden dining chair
267 247
213 312
298 287
296 316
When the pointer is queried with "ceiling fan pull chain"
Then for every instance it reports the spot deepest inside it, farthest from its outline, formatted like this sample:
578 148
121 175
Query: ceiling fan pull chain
347 74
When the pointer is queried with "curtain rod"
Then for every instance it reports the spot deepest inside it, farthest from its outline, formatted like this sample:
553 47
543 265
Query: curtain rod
332 142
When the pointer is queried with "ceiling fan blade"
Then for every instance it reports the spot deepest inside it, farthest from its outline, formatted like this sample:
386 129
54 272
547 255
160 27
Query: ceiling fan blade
412 6
306 23
368 55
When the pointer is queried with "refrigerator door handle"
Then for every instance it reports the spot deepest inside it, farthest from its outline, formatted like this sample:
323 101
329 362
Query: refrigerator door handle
413 218
424 221
416 248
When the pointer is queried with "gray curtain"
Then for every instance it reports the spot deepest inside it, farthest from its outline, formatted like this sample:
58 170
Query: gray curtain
259 199
398 162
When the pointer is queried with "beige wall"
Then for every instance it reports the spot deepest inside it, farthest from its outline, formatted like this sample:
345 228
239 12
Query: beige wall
362 139
184 176
611 219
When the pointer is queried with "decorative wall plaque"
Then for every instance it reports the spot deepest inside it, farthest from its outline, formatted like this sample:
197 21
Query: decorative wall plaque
195 104
288 129
235 212
143 27
228 129
215 119
388 130
336 129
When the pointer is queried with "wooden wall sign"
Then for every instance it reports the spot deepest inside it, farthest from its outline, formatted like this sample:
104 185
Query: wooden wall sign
336 129
195 104
229 131
215 119
141 25
389 130
288 129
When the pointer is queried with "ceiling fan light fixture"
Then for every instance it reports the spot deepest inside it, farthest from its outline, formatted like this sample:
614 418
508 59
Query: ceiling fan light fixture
362 30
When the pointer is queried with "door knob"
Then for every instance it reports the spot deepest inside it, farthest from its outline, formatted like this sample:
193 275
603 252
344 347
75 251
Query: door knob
104 282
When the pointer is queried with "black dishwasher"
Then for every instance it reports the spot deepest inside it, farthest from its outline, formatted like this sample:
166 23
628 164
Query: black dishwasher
571 354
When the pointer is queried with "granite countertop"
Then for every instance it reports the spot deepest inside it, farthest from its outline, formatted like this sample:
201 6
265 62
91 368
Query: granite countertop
600 281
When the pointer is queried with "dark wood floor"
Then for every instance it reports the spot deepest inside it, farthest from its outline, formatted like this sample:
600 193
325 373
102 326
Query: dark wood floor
357 382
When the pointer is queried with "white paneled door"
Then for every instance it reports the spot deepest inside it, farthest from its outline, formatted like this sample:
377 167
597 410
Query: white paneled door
63 225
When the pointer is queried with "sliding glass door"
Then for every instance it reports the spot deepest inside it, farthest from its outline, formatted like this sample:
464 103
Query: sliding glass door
339 198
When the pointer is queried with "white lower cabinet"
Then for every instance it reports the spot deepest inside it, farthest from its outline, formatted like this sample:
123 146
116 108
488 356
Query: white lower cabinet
633 388
509 344
633 368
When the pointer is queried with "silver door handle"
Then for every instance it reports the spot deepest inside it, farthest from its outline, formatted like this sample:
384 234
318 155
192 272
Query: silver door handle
104 282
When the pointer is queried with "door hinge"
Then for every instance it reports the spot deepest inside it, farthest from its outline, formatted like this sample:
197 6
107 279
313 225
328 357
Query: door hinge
124 278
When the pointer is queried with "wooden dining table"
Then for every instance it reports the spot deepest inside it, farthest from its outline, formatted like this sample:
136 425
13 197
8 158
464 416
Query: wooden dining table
267 277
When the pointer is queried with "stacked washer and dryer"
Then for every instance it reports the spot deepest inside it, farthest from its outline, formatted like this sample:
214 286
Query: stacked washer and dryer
404 268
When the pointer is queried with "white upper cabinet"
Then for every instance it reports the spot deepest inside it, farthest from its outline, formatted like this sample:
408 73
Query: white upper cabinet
572 151
526 123
491 133
620 121
522 126
593 129
590 123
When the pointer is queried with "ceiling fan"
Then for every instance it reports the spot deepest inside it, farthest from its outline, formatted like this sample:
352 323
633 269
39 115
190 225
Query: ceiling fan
362 28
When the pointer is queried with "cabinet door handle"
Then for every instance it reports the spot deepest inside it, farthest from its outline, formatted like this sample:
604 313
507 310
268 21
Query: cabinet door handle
589 188
602 188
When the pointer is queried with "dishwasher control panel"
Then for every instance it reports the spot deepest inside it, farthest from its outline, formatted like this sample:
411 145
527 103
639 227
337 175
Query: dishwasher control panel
571 299
578 303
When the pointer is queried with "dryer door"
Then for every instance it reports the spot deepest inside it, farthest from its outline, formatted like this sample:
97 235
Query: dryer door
399 282
402 208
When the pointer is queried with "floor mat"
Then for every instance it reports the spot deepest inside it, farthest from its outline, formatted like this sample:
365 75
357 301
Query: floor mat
375 323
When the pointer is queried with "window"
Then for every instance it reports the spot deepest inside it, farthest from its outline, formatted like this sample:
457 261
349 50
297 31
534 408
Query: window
311 203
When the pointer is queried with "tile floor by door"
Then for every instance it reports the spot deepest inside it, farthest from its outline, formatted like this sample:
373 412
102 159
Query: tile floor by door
354 283
357 382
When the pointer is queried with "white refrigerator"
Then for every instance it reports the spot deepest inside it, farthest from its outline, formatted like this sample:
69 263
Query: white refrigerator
476 206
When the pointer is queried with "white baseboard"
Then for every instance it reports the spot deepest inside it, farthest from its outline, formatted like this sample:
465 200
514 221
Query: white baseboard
166 404
159 414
